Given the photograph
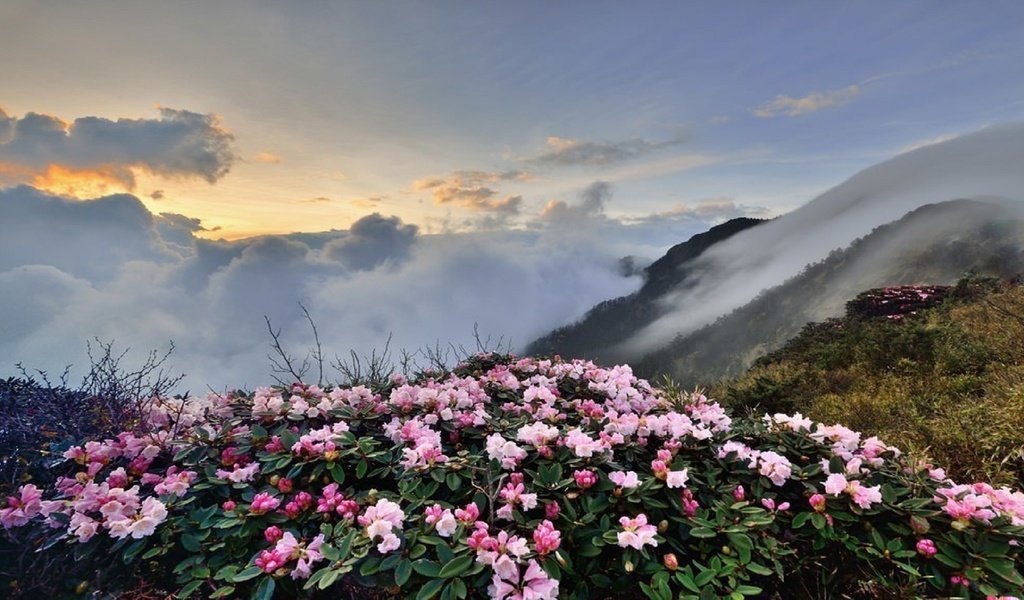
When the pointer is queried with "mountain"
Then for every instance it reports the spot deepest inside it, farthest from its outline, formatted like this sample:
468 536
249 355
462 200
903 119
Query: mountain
597 335
690 291
934 244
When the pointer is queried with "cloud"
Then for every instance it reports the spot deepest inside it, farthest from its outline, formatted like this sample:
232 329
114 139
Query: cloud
373 241
812 102
474 190
592 202
267 158
109 268
93 155
562 152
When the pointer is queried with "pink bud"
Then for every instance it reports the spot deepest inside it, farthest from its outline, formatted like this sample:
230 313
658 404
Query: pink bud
272 534
739 494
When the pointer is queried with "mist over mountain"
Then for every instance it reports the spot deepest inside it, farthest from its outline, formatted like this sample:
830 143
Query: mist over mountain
933 245
691 292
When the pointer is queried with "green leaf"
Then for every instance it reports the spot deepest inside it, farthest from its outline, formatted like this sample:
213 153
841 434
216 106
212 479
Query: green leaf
328 579
190 543
426 568
402 572
246 575
189 589
456 567
702 532
370 566
265 590
454 481
1003 567
430 589
361 469
705 577
223 592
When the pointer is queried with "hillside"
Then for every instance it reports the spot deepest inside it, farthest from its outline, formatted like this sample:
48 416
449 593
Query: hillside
934 244
597 334
947 379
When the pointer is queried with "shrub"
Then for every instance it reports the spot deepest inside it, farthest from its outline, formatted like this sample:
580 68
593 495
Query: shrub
515 478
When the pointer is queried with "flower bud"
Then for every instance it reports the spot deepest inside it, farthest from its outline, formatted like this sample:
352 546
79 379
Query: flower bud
670 561
629 566
663 526
274 479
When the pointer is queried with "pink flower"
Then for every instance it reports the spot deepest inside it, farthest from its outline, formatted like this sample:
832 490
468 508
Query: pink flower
636 533
263 503
775 467
585 478
739 494
690 504
272 534
23 508
469 514
504 451
926 548
626 480
769 504
379 520
552 510
835 484
228 506
546 538
677 479
817 502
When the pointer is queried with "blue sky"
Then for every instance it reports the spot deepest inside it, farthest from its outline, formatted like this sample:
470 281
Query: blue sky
338 108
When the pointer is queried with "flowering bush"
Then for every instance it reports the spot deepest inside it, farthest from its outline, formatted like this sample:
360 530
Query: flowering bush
517 478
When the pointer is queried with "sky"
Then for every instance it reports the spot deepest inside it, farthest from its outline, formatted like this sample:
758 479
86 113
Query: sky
179 171
459 115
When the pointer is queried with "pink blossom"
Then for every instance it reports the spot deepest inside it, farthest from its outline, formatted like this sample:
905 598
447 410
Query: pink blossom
546 538
584 478
263 503
689 503
926 548
626 480
636 533
775 467
379 520
272 533
468 514
22 508
817 502
677 479
552 510
739 494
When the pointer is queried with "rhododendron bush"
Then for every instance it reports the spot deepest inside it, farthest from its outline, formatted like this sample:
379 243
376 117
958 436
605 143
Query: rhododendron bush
517 478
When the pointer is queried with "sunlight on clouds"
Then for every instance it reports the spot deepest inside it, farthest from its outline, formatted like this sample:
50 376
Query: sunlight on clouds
84 183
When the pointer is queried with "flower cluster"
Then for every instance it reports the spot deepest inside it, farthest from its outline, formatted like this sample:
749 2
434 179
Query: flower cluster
516 478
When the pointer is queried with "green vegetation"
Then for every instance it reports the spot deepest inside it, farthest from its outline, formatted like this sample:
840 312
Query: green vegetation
946 381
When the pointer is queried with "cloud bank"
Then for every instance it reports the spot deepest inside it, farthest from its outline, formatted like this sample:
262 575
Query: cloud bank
107 267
